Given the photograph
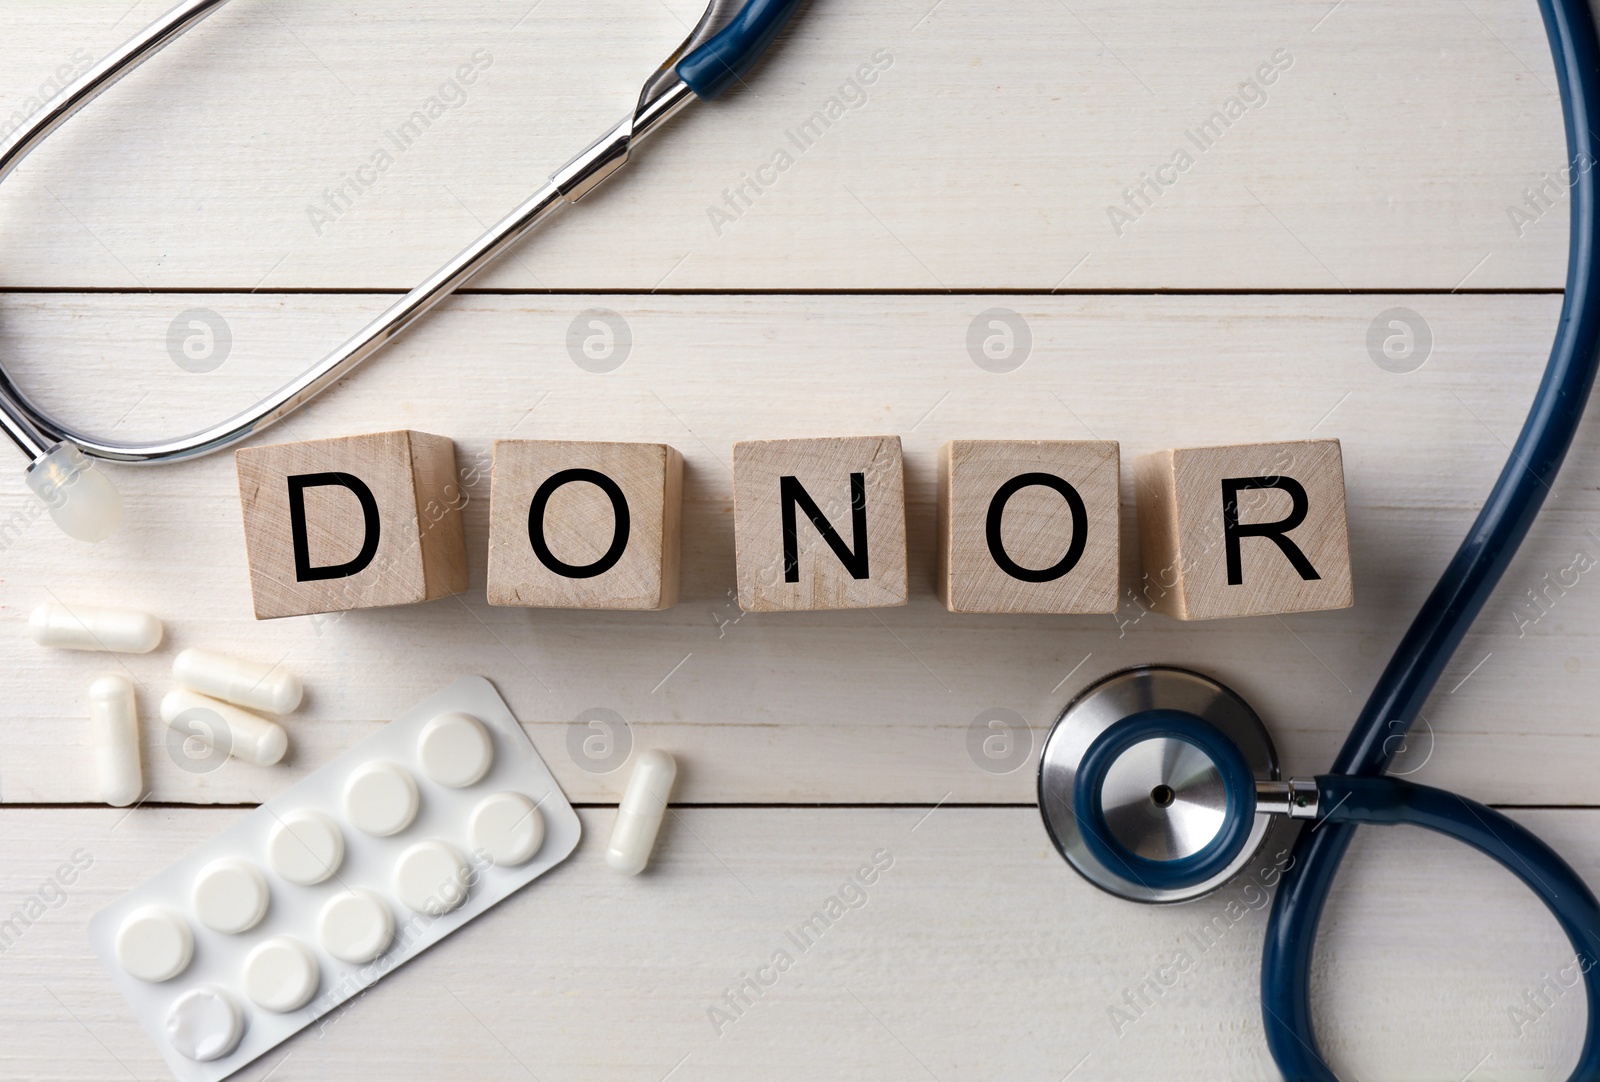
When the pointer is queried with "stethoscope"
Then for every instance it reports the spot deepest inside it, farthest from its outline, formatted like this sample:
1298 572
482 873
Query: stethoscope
730 37
1156 783
1159 784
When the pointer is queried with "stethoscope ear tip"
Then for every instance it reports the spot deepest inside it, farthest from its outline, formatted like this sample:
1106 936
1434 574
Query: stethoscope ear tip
80 498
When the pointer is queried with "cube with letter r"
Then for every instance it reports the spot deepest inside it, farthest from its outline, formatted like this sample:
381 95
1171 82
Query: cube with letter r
352 523
1244 530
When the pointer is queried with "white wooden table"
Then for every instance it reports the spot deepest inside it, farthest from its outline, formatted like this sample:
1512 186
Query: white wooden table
1379 172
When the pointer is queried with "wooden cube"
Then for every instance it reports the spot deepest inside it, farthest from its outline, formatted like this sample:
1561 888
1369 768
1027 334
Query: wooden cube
1244 530
352 523
820 524
1029 526
584 525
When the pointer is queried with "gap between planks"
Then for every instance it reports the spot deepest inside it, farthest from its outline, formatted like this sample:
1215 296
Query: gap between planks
986 291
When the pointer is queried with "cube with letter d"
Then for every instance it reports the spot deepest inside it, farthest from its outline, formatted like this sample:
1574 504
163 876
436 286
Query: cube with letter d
352 523
578 525
1245 530
820 523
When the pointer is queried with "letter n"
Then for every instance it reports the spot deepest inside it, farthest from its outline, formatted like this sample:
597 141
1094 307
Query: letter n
793 496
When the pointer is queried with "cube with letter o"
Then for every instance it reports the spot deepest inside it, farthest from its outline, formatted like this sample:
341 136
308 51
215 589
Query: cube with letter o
579 525
1029 526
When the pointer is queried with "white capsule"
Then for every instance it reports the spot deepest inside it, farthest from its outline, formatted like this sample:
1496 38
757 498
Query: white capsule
81 627
249 684
114 728
639 816
227 728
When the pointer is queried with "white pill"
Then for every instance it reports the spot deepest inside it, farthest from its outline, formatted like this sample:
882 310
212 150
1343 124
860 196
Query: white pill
639 816
281 975
114 728
305 847
204 1024
431 878
380 799
455 750
83 627
154 944
268 688
356 926
507 827
230 896
227 728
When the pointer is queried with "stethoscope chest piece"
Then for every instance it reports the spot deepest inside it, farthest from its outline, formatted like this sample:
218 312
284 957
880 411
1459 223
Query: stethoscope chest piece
1147 783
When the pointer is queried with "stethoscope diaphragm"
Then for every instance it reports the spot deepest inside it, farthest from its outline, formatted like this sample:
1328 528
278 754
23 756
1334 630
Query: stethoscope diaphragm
1147 783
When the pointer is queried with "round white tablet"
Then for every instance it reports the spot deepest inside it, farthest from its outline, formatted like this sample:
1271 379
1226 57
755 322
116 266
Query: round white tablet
230 896
305 847
205 1024
431 878
154 944
356 926
508 827
380 799
280 975
455 750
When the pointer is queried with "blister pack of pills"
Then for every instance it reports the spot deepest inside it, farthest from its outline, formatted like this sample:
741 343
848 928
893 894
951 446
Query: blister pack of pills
322 890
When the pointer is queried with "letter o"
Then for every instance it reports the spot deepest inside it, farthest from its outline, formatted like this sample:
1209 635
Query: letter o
619 538
1080 527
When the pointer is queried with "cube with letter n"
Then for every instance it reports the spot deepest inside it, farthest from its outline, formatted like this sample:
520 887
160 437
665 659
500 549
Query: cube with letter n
1244 530
352 523
820 523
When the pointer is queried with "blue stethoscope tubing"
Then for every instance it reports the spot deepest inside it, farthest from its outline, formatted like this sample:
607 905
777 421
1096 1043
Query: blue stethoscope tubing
1357 791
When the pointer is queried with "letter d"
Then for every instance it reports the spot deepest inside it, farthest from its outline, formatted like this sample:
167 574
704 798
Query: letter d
303 571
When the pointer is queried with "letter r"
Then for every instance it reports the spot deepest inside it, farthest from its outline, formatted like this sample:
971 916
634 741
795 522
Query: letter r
1233 530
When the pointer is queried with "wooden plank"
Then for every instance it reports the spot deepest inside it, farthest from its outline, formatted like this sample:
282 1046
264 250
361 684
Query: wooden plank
975 954
866 706
1007 145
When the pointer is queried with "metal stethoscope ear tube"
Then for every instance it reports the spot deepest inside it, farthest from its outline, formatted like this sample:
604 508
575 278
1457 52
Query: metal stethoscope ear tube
730 37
